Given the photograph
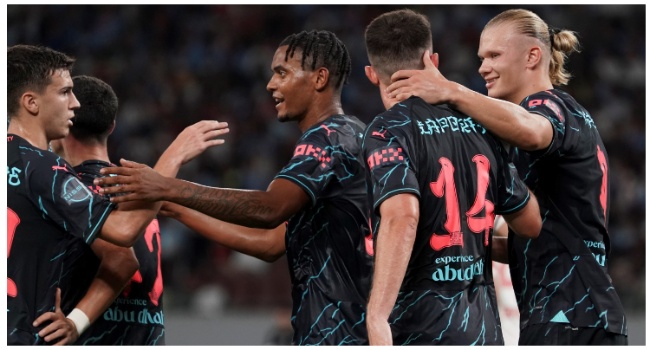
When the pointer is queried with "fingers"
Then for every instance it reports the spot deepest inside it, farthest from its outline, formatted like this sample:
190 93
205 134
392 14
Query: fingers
390 89
57 300
205 126
48 316
215 133
130 164
116 171
56 330
402 74
125 197
113 180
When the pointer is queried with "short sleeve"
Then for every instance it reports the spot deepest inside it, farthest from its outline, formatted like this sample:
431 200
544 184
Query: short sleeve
54 188
388 155
312 165
551 107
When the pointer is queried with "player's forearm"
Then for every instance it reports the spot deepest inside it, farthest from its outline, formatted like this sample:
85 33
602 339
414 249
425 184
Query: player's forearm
526 222
99 297
242 207
267 245
169 163
508 121
394 245
111 278
126 224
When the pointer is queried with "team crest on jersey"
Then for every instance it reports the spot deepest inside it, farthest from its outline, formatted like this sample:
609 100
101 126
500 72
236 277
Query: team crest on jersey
74 191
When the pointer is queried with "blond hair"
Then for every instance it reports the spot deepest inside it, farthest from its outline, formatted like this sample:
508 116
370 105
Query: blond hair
561 42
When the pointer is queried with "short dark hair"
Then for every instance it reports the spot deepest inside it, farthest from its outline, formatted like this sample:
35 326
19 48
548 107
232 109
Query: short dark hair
94 119
31 67
397 40
323 49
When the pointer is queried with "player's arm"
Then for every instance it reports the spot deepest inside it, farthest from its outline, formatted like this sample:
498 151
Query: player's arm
526 222
395 239
251 208
268 245
117 266
125 225
510 122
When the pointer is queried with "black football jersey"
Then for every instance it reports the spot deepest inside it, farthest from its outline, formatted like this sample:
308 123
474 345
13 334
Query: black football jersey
562 275
49 210
462 177
328 259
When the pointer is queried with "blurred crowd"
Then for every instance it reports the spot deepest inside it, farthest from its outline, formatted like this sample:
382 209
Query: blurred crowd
174 65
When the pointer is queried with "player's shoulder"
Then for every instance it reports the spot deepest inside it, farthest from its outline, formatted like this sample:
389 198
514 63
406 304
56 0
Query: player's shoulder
21 148
554 101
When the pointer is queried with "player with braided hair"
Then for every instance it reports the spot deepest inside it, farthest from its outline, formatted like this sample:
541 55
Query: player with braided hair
321 193
322 48
564 292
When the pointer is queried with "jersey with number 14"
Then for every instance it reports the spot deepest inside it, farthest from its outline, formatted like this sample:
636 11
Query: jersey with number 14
462 178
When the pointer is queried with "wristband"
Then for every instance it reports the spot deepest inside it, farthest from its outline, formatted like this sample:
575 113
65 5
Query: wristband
79 319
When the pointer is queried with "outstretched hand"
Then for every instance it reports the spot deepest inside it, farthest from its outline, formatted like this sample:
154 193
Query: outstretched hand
60 327
132 181
428 83
196 138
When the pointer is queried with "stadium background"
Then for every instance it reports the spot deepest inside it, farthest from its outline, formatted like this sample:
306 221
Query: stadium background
174 65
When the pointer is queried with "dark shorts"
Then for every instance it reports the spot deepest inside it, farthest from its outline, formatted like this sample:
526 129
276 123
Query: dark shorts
564 334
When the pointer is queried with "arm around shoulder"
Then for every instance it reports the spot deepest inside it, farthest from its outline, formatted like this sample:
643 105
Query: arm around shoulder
508 121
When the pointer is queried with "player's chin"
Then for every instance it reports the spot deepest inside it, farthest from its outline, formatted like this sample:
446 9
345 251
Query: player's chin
63 132
283 117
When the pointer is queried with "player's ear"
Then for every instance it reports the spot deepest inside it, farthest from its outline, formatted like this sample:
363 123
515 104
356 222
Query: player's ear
110 131
372 75
29 101
534 56
435 59
321 78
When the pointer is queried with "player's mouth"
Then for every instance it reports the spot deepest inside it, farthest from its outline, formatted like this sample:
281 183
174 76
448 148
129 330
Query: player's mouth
278 102
489 83
71 121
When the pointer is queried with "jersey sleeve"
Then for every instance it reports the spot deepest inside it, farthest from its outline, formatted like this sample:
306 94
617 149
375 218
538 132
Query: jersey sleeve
388 155
312 166
512 193
55 189
551 107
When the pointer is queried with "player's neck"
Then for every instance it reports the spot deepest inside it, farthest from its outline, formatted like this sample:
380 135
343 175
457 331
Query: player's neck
536 84
318 114
76 152
31 133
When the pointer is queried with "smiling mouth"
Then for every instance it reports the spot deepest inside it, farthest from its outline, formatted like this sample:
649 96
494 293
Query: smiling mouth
278 102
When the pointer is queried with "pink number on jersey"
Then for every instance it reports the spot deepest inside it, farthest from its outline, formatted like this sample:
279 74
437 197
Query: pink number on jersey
12 222
445 186
603 186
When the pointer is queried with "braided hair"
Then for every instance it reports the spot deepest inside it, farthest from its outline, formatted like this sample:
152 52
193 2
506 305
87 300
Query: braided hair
320 48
